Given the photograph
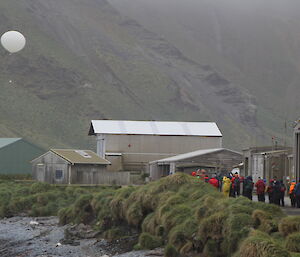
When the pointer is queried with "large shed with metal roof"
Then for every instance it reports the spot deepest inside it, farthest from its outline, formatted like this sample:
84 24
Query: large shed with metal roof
69 166
16 154
218 160
131 145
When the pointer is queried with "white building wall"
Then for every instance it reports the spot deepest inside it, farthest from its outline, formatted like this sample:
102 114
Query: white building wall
257 166
159 144
138 150
297 150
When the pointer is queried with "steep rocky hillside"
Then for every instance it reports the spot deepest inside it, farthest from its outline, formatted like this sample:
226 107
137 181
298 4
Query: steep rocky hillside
255 44
84 60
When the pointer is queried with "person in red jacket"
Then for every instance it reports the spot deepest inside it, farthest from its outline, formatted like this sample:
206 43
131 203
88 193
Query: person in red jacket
260 190
206 178
214 182
235 182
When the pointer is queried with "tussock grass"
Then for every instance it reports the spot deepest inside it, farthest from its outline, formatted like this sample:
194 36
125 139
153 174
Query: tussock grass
293 242
38 199
189 216
260 244
289 225
170 251
148 241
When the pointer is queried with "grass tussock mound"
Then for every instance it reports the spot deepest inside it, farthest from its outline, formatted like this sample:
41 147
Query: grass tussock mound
148 241
170 251
189 216
289 225
292 242
42 199
260 244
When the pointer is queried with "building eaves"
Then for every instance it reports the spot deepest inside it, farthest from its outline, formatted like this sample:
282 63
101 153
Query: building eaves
8 141
193 154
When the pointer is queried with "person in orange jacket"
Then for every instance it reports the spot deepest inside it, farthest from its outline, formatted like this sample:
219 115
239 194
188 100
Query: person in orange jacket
292 193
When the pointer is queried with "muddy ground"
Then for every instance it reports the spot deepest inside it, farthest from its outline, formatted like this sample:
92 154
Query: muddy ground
43 237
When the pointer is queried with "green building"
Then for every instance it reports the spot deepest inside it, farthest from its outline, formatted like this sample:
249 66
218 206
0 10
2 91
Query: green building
16 154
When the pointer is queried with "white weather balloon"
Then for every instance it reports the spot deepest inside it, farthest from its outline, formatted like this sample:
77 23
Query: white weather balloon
13 41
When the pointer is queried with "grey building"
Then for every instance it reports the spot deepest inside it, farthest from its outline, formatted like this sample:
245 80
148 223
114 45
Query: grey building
268 162
214 161
131 145
297 149
64 166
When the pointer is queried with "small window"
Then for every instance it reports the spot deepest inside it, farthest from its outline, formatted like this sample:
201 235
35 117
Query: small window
83 154
58 174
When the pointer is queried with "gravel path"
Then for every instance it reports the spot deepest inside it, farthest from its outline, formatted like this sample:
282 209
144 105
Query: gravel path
41 237
21 239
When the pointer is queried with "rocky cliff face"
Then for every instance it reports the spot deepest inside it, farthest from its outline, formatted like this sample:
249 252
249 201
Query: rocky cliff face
86 60
254 44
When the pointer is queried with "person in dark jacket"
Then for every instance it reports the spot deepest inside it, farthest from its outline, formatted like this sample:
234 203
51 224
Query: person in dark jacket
277 192
260 190
248 187
270 190
297 194
282 191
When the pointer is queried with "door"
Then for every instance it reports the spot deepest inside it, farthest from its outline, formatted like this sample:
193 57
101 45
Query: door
40 173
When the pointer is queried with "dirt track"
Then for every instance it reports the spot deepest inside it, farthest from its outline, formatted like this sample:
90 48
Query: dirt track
19 238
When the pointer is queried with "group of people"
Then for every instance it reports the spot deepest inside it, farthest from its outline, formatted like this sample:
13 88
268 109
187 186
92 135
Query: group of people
275 190
233 184
230 185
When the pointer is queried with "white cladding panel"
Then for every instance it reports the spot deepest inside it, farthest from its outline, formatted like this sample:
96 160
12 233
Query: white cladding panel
156 128
257 166
170 145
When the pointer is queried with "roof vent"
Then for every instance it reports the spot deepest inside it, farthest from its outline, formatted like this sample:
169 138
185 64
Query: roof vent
83 154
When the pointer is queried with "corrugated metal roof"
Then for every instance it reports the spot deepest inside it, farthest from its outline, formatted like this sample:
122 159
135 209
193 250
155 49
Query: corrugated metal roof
80 156
7 141
194 154
167 128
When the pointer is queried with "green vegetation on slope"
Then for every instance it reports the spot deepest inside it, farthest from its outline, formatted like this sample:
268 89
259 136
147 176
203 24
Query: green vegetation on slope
87 61
179 211
74 70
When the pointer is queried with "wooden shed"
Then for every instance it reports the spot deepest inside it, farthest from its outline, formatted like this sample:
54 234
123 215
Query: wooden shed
68 166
